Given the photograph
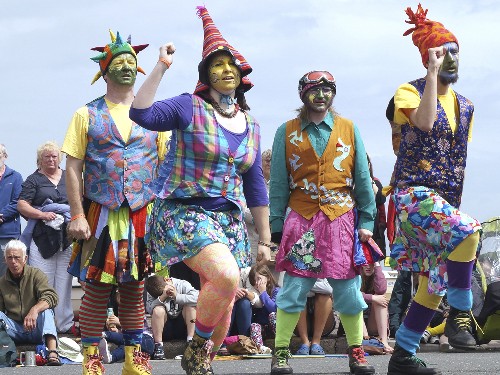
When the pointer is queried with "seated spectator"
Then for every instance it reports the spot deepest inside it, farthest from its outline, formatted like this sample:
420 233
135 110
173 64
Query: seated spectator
246 298
27 302
321 293
263 317
171 303
113 334
373 288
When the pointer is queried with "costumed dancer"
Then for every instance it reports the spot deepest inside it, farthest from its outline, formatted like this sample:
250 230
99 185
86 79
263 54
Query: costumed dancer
211 173
320 171
432 236
111 161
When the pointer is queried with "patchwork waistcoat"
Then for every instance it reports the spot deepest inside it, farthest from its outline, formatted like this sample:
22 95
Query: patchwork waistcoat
435 159
115 169
199 162
320 182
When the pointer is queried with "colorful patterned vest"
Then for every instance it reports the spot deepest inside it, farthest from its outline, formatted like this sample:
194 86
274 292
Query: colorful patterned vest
115 170
435 159
325 182
199 162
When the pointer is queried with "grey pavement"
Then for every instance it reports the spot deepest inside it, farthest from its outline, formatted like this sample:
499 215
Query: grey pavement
480 362
485 360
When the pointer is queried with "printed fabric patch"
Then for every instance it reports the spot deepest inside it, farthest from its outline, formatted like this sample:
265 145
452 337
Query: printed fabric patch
301 254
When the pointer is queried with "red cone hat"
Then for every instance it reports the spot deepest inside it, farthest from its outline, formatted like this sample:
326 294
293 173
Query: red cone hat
213 41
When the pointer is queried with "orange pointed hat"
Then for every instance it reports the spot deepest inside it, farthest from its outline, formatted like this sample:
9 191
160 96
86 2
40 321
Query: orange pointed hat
426 33
213 42
113 49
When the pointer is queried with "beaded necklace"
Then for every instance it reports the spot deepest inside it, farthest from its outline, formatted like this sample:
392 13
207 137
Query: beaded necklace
224 113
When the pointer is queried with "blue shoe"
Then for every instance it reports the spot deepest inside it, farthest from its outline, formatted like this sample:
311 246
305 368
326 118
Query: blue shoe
316 349
303 350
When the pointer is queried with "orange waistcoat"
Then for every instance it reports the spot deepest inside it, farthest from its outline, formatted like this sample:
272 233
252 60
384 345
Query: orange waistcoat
320 182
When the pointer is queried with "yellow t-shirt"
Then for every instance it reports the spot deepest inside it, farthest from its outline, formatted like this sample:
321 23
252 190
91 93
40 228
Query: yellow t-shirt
75 141
407 97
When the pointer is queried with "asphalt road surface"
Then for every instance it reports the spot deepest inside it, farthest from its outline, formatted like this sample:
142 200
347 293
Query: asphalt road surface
474 363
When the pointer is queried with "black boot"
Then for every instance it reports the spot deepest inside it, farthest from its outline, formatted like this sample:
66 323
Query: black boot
357 361
403 362
459 331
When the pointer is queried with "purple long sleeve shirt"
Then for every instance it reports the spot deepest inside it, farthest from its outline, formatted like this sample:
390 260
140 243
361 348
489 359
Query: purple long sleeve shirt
261 315
177 113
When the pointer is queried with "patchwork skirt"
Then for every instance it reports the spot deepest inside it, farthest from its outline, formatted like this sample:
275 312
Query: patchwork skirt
115 252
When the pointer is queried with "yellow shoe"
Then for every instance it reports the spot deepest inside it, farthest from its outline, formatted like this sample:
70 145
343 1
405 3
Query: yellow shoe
92 361
136 362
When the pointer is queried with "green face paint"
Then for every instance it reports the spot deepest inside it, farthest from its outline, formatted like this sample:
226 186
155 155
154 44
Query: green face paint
123 69
319 98
448 72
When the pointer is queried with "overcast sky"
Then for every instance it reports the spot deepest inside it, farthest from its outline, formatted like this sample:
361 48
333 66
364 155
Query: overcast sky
47 67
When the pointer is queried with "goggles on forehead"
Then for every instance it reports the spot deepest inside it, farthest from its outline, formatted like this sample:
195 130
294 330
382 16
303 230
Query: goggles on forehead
314 78
318 76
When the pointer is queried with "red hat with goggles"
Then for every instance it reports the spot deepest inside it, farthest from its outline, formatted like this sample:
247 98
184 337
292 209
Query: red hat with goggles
316 78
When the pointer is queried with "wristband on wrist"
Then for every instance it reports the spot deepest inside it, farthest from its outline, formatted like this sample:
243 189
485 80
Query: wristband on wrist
165 61
77 216
265 244
271 246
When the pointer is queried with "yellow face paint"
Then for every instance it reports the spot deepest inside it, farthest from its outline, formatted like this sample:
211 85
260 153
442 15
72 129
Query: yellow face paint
123 69
223 74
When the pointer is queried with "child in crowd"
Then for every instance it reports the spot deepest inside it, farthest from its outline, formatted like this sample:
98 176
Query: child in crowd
241 315
373 288
263 317
172 305
246 298
113 335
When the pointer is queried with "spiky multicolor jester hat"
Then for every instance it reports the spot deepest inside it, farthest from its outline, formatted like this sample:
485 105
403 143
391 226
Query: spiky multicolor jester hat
113 49
213 42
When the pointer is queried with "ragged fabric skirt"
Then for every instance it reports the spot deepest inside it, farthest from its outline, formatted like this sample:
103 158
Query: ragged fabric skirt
116 251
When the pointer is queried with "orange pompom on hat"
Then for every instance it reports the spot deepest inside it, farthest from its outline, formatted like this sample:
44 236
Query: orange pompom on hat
213 42
426 33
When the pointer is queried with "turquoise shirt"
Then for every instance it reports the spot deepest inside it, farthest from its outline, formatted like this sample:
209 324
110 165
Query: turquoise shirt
319 134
